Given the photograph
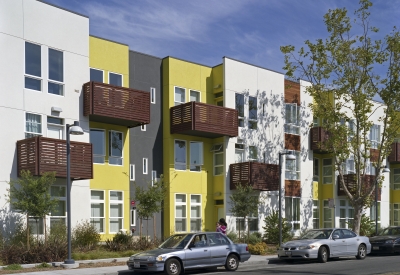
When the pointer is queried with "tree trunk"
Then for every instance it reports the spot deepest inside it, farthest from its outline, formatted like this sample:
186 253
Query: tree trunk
357 218
154 227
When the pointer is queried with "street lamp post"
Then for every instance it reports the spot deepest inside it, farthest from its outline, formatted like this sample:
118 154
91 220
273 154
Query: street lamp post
290 156
384 170
73 129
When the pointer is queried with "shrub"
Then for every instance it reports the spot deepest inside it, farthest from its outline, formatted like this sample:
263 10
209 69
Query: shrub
58 232
85 236
13 267
258 248
43 265
253 239
120 241
367 227
271 229
232 236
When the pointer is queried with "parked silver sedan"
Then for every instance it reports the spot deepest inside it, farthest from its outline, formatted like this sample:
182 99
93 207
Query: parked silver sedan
326 243
181 252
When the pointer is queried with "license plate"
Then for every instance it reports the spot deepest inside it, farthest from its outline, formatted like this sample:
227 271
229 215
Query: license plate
288 253
375 248
136 264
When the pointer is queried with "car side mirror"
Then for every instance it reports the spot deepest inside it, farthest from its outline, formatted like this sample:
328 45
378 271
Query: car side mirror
335 237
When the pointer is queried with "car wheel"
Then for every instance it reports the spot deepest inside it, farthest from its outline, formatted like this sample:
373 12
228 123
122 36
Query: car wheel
173 267
361 252
232 263
322 254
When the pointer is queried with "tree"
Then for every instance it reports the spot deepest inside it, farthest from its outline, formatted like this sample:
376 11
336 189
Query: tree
149 200
31 195
244 203
345 75
271 228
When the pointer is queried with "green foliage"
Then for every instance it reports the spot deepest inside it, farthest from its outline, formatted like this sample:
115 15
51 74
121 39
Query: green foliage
13 267
258 248
253 238
43 265
367 227
85 236
232 236
58 232
120 241
271 229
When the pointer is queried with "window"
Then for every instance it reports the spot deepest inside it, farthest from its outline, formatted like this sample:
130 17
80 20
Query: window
132 172
145 163
55 120
252 113
327 215
315 214
180 155
116 211
33 125
372 214
55 126
346 214
396 178
292 171
153 95
195 213
375 135
33 67
396 214
240 224
180 212
36 225
97 210
96 75
327 171
179 96
253 153
194 96
252 221
58 214
196 156
133 217
315 122
143 127
239 153
352 129
219 160
115 148
153 177
349 166
292 212
56 72
316 170
239 103
115 79
97 138
292 119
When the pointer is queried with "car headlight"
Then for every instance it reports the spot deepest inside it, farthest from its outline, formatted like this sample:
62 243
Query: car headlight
389 241
311 246
160 258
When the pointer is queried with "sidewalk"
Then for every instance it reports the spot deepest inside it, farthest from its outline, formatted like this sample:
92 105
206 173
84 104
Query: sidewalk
119 270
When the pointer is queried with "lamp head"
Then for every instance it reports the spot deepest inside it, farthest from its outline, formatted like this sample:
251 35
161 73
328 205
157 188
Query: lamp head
385 170
75 129
290 156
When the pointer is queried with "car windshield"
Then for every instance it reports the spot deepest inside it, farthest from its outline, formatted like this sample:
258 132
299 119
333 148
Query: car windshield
317 234
176 241
390 231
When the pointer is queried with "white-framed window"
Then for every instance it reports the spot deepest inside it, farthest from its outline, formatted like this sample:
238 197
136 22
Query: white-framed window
180 212
252 113
372 214
218 160
143 127
33 67
349 166
328 215
132 172
115 79
292 212
153 95
292 119
96 75
55 84
36 225
352 129
327 171
315 122
59 213
252 221
195 213
145 166
396 178
180 154
33 125
116 211
346 215
315 214
153 177
133 217
293 167
253 154
316 170
179 95
115 147
97 209
375 135
396 214
239 104
194 95
196 156
240 224
239 152
98 139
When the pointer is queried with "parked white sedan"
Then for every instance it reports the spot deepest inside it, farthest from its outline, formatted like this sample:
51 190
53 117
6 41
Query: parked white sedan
326 243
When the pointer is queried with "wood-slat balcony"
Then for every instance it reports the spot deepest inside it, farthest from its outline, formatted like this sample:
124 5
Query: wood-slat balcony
261 176
41 154
203 120
116 105
394 156
350 182
318 135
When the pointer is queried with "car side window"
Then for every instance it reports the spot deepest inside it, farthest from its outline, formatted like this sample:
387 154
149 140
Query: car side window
217 239
339 233
348 234
200 240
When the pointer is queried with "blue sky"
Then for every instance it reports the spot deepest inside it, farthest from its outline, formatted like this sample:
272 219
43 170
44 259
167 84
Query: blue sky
204 31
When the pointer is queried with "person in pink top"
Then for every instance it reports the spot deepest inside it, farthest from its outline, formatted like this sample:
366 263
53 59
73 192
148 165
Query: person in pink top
221 226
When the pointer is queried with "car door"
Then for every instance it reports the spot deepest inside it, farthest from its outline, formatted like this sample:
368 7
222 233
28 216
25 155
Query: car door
220 247
198 252
352 241
338 244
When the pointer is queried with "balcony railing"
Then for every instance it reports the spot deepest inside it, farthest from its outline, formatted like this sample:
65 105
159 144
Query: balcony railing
394 156
317 137
203 120
116 105
261 176
292 188
350 181
41 154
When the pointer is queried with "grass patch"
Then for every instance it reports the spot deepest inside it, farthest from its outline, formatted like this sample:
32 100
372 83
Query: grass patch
13 267
43 265
101 254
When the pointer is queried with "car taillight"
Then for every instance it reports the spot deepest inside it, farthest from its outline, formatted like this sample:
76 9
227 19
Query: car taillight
247 248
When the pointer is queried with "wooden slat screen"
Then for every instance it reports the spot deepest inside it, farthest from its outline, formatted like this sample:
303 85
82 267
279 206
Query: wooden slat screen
292 92
292 142
394 156
261 176
292 188
317 136
41 154
350 182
